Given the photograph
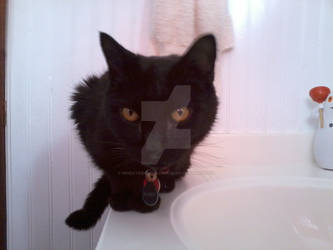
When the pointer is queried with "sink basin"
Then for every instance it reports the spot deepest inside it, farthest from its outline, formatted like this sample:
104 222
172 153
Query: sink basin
256 214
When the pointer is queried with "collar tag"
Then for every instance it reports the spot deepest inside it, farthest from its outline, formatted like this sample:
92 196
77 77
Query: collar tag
151 187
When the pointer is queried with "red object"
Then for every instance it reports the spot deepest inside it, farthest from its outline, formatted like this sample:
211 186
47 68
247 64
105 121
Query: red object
320 93
157 184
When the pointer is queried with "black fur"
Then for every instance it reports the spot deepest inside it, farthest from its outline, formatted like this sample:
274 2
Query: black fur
115 144
93 207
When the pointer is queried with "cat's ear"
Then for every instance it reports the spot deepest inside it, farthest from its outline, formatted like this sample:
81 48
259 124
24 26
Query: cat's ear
115 55
202 54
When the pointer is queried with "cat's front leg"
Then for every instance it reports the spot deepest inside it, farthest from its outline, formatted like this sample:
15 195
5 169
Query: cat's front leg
93 207
120 201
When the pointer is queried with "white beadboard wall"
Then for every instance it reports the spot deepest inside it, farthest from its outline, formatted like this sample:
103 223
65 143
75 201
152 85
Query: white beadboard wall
282 49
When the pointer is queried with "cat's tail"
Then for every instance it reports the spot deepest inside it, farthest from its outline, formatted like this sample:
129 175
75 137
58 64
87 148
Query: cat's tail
93 207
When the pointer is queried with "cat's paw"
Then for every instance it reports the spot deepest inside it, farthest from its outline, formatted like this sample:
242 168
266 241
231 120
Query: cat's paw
119 203
80 220
167 186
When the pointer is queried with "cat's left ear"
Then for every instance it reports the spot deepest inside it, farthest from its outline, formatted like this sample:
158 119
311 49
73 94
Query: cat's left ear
117 57
202 54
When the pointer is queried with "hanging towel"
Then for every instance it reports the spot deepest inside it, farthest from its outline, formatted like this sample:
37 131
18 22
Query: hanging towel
176 23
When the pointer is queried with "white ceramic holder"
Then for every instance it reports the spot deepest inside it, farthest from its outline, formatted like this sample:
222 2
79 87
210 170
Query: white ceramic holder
323 139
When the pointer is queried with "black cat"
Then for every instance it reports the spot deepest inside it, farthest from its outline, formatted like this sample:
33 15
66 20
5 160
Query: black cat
108 113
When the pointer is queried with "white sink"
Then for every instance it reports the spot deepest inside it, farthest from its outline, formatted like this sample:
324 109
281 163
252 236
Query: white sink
256 214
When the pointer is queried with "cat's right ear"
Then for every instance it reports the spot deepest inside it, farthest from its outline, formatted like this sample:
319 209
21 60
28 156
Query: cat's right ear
115 55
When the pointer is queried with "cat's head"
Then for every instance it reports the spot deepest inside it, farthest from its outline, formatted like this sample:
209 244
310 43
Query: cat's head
159 108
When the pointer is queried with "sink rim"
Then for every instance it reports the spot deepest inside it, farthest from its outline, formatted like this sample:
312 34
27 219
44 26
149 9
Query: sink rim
239 182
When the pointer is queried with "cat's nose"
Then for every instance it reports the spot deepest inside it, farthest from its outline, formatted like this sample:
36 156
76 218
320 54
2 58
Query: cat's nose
152 151
154 143
151 157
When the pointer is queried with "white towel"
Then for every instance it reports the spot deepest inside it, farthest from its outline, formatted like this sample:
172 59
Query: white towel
176 23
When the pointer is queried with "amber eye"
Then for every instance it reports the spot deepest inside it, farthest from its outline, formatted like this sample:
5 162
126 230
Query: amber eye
330 99
129 114
180 114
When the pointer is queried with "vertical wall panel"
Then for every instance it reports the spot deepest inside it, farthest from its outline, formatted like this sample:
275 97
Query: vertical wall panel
282 49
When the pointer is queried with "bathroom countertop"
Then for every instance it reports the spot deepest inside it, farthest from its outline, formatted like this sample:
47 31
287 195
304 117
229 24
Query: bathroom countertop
132 230
237 156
